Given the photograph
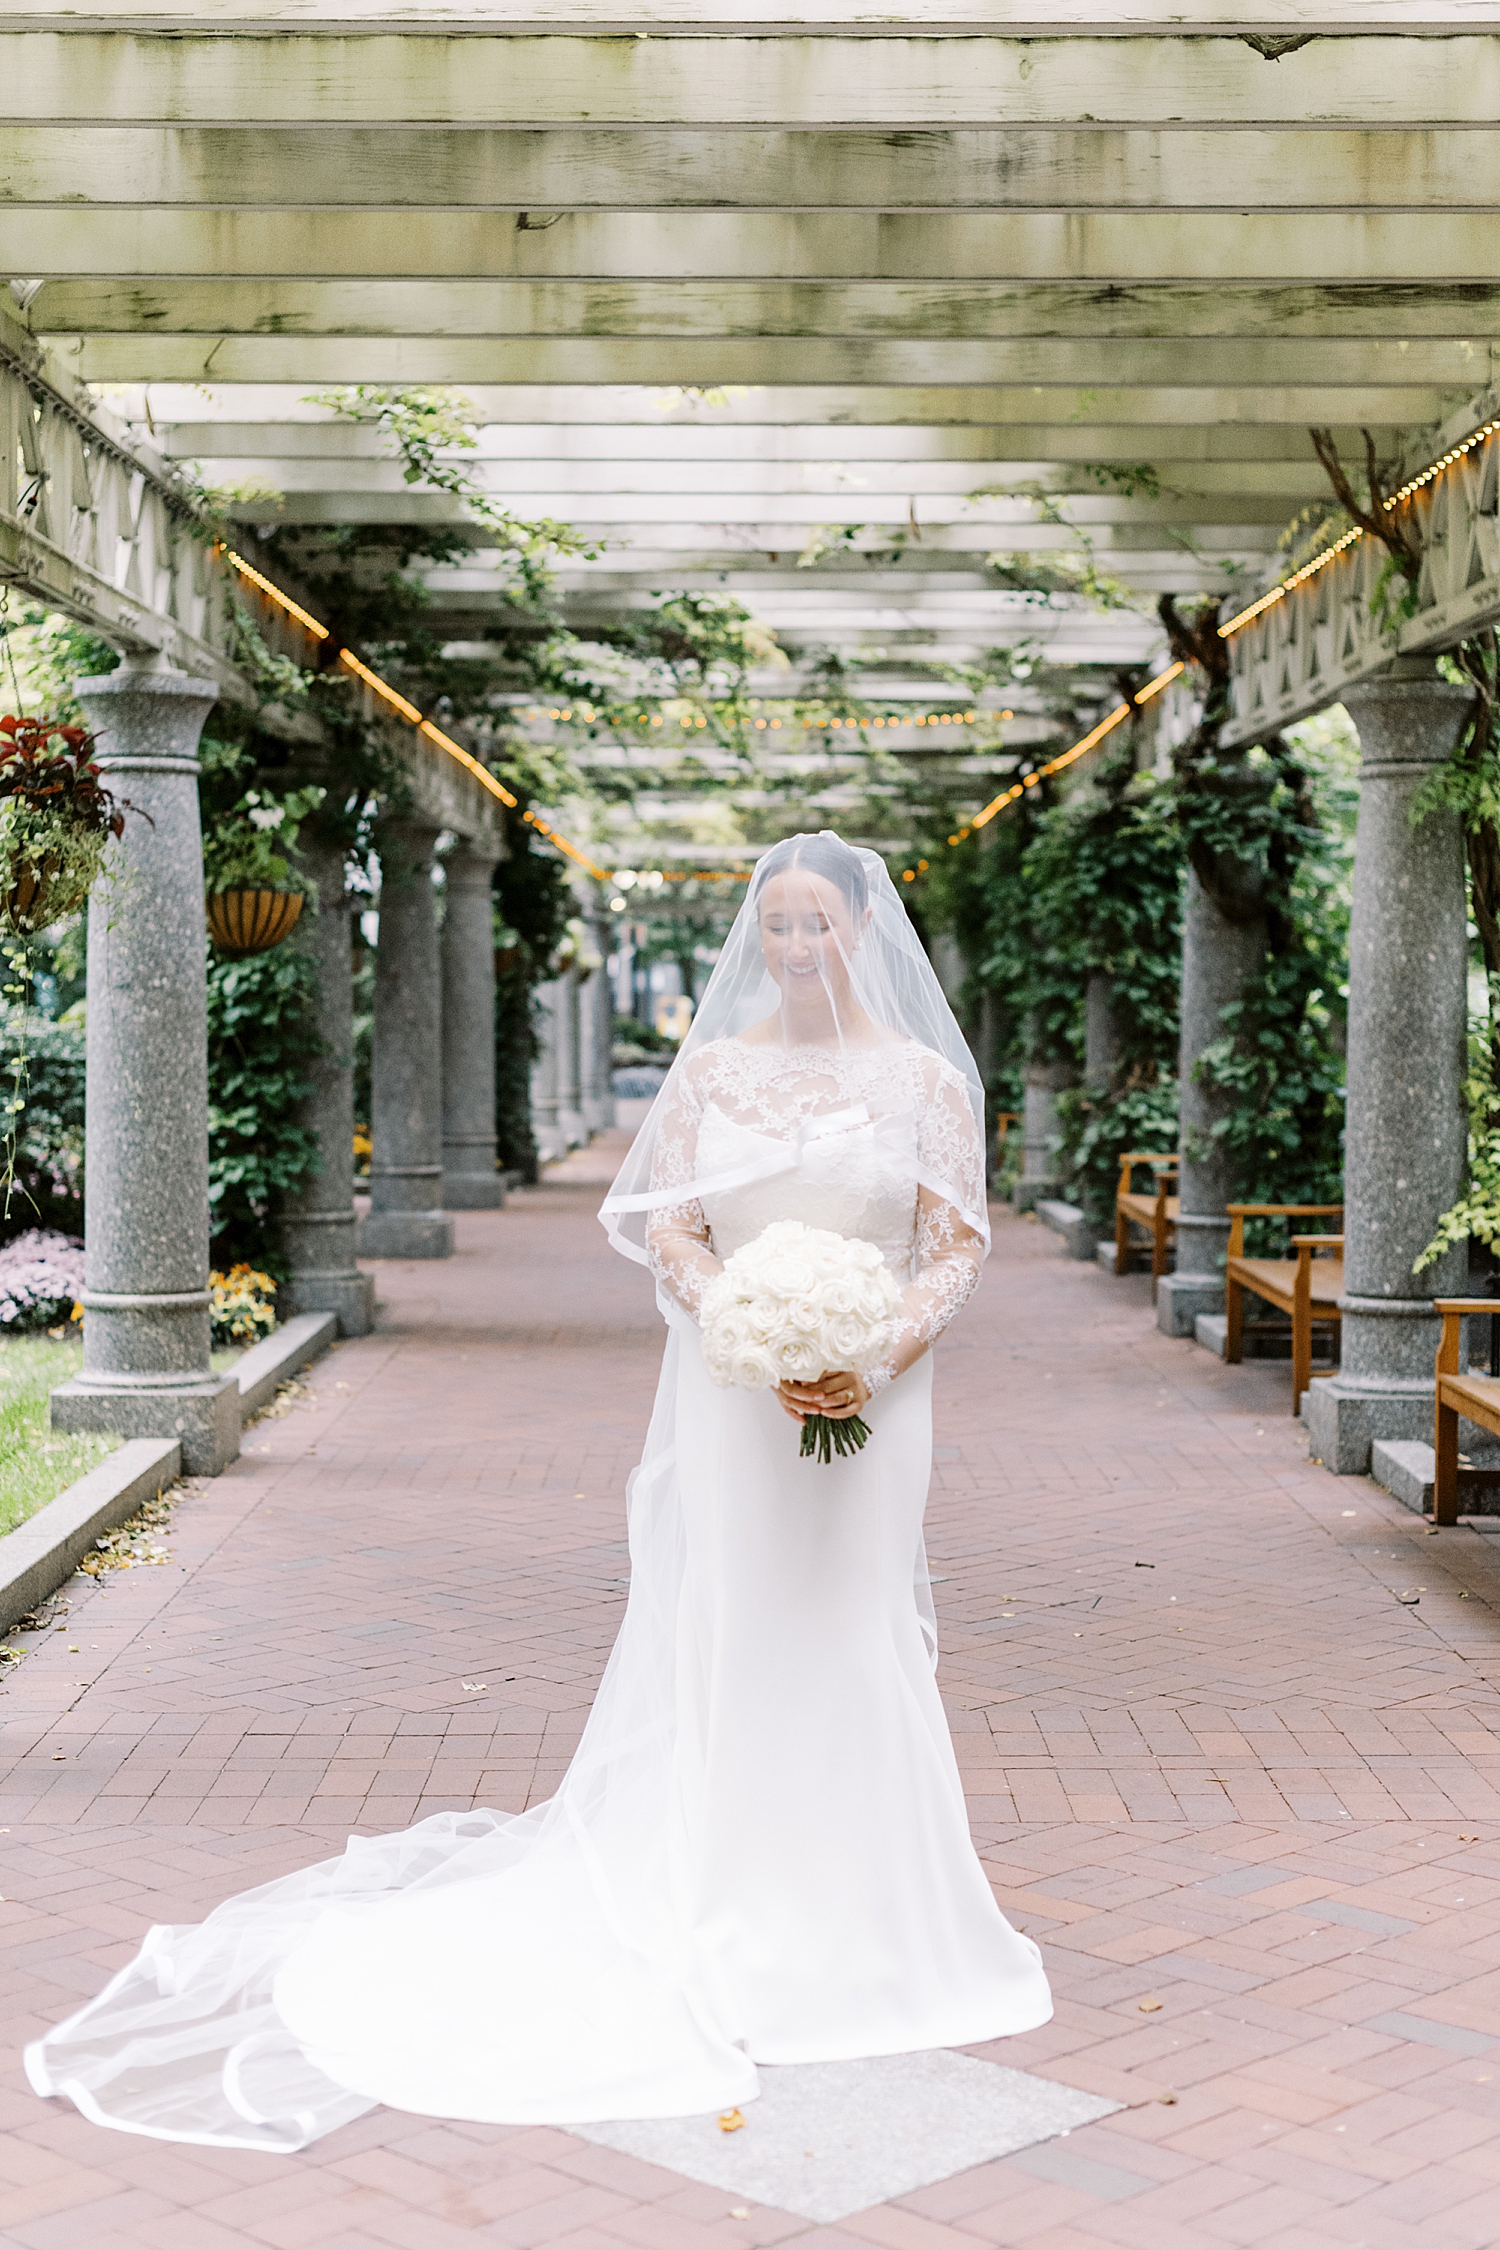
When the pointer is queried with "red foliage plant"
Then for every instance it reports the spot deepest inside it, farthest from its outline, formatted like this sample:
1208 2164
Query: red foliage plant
52 766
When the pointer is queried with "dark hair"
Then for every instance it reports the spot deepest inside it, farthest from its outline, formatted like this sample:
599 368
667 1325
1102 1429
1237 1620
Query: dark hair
824 854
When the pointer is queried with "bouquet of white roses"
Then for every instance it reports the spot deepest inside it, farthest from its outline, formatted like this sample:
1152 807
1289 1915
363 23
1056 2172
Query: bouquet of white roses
796 1303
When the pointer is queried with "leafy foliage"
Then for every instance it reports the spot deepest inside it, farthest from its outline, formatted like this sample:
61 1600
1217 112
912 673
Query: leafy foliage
47 1190
250 846
1476 1214
262 1039
426 427
533 903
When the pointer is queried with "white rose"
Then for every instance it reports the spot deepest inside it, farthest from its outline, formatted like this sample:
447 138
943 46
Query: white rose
754 1369
798 1359
847 1339
796 1276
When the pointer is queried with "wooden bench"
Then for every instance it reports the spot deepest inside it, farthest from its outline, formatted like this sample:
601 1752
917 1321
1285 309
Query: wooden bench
1003 1123
1475 1397
1155 1214
1305 1286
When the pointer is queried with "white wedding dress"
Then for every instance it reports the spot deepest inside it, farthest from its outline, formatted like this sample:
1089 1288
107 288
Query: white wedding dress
760 1852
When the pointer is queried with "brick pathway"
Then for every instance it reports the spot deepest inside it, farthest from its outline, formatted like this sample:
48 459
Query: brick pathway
1247 1799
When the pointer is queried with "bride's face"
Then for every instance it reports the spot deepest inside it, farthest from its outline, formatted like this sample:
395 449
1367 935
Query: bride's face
807 937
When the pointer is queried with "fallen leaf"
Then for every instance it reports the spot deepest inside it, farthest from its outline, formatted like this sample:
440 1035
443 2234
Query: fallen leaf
1149 2007
1468 1839
731 2121
1169 2099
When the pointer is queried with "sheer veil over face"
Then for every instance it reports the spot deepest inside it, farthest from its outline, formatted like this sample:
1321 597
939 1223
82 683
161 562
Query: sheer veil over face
822 956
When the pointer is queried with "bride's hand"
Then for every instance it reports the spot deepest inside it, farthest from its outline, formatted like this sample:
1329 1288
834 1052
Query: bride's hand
839 1396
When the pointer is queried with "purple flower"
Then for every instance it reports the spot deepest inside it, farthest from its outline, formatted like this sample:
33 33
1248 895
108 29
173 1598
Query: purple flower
41 1277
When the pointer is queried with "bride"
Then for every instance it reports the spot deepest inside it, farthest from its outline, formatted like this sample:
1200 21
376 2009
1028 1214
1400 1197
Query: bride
760 1853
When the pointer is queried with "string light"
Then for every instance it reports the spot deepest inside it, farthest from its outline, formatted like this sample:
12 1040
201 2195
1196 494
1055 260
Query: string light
274 594
1233 625
411 714
1351 538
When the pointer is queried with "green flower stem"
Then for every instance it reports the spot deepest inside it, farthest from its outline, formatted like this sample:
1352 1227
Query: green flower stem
823 1437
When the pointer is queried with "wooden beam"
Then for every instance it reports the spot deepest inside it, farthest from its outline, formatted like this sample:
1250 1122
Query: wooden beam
520 169
590 415
982 252
1221 456
122 340
372 75
1400 315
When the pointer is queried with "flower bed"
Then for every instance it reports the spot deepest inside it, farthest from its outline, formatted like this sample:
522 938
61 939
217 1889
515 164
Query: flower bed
41 1280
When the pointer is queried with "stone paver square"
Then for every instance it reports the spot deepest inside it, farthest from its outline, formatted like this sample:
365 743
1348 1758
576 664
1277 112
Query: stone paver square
828 2139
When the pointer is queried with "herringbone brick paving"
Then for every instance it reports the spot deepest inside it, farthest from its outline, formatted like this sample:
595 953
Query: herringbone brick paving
1247 1797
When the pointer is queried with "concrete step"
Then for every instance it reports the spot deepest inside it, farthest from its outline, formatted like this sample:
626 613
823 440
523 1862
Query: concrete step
1067 1220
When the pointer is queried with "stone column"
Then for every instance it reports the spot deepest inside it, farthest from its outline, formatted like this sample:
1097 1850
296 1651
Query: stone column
1406 1139
569 1088
1218 955
1043 1082
544 1073
318 1224
406 1125
1101 1031
470 1180
599 1030
146 1370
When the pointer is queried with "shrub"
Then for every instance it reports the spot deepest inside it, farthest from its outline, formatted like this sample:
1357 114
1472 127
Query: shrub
262 1041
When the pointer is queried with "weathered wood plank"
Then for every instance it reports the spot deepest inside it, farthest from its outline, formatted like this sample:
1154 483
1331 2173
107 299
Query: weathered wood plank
330 167
340 76
1333 249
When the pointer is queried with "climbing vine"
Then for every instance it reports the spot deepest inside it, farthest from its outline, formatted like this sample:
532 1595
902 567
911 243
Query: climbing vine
1269 839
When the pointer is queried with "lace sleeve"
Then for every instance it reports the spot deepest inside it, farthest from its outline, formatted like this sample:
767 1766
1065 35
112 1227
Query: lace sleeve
948 1252
678 1242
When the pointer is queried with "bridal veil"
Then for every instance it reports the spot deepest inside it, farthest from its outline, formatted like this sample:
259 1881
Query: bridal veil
532 1967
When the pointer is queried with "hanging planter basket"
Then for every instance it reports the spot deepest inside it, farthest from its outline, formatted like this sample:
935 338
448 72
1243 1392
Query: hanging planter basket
36 893
56 822
245 922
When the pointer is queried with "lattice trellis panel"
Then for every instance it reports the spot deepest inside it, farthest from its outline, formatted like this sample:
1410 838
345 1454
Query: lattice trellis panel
1348 620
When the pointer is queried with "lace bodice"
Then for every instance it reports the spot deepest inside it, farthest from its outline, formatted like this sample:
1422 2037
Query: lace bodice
856 1135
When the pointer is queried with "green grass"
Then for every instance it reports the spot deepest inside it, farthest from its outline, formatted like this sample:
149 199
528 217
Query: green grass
36 1461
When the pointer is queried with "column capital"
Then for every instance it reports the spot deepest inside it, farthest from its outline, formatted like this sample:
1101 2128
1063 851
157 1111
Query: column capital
1406 716
147 722
472 864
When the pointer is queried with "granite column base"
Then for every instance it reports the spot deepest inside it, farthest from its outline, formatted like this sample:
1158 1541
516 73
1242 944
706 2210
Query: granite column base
204 1416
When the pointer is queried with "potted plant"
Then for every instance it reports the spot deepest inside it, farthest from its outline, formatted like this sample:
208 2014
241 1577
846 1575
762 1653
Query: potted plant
253 887
56 821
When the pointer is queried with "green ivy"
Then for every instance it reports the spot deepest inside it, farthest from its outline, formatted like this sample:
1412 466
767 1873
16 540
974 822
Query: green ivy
1476 1215
262 1041
533 901
48 1186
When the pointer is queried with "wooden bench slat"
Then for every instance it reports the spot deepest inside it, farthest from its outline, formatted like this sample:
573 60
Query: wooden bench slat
1307 1286
1155 1214
1273 1279
1476 1397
